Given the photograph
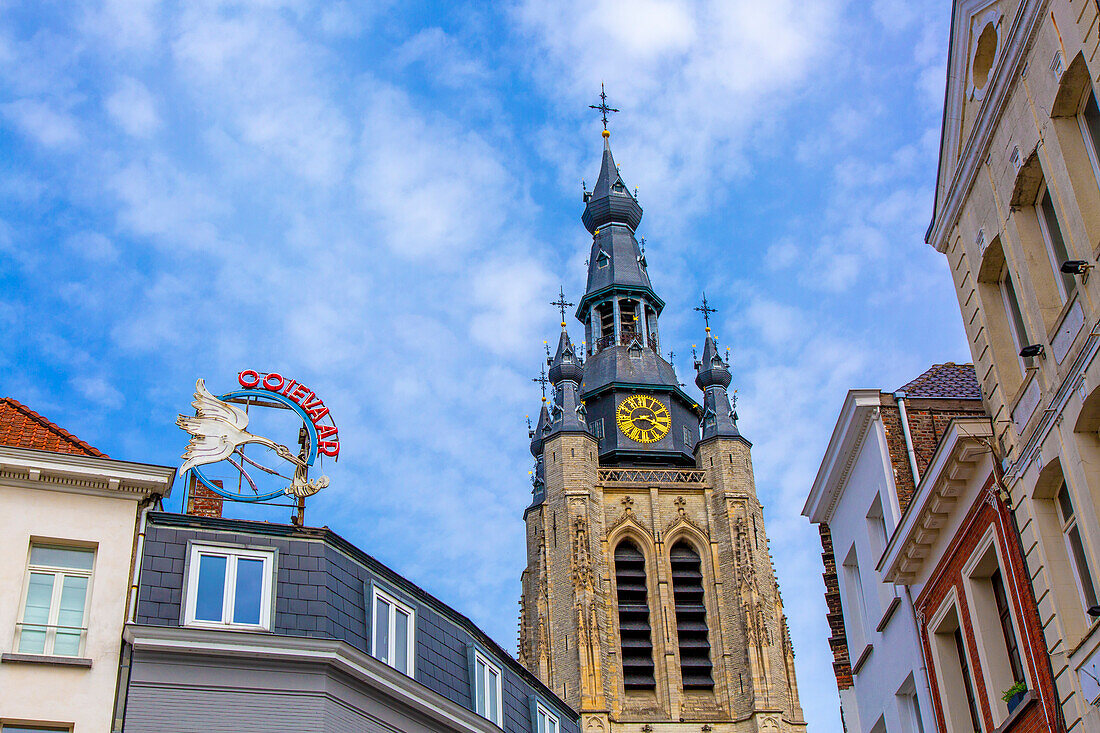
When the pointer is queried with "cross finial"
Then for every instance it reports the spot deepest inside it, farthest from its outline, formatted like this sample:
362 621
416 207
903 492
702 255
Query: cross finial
562 304
542 381
602 107
706 310
671 357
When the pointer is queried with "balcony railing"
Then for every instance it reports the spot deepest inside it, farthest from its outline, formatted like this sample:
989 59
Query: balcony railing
651 476
50 639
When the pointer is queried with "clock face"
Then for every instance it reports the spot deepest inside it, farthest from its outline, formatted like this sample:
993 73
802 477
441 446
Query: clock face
643 419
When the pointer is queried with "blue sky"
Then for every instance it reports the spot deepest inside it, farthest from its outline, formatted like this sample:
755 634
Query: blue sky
381 200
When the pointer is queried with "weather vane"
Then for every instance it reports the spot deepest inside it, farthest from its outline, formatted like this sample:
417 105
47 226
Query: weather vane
602 107
561 303
706 310
542 381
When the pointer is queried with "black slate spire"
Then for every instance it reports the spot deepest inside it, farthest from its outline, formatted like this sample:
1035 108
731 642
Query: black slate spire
566 372
713 377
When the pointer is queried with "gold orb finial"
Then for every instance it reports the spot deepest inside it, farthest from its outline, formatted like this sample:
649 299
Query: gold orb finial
708 329
606 134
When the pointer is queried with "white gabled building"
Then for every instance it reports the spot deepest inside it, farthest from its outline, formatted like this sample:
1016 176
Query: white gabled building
858 498
71 521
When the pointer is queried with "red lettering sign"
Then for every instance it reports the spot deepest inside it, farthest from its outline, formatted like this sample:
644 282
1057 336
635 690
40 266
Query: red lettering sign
327 435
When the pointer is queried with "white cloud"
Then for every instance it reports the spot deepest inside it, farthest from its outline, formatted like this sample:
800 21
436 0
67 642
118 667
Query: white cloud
41 122
133 108
99 391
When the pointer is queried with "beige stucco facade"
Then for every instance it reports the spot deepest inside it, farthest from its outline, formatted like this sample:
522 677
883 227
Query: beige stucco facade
1019 165
81 502
570 634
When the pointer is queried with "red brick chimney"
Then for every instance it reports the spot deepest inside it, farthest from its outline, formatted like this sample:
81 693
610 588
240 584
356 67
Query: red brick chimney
201 501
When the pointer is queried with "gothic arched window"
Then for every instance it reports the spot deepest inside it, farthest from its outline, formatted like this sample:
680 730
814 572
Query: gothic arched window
691 616
634 628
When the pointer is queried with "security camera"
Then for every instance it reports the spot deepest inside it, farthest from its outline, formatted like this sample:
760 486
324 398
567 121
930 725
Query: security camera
1031 351
1076 267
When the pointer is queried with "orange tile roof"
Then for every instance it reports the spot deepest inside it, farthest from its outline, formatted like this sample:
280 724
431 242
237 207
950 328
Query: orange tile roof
22 427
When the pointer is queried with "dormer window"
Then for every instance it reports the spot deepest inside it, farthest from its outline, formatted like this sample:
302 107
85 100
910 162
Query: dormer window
618 187
602 260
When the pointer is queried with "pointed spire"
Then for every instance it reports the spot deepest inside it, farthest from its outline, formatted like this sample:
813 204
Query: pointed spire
713 376
610 202
566 372
539 433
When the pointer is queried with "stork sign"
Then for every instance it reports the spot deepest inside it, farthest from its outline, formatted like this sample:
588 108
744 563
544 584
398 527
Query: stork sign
225 426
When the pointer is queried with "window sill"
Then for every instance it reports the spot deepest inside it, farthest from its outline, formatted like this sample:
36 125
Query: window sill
863 657
45 659
894 603
1029 698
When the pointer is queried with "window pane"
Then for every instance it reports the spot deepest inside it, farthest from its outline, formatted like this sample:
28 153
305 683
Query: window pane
62 557
381 629
1064 503
73 593
1082 565
493 679
1014 311
1057 243
37 611
210 594
247 595
479 692
1091 115
401 640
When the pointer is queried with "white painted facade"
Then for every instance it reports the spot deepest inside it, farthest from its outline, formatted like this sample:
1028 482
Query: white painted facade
855 495
83 503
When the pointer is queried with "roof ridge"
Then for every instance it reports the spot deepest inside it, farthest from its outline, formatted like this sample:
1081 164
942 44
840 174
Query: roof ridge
50 425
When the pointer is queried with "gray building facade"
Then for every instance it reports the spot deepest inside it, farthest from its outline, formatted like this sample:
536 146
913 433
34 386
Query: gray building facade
252 626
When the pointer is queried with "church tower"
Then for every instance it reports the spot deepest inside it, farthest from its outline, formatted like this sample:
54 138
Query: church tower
649 600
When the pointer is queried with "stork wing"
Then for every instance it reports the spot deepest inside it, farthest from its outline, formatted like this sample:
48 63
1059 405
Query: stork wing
208 406
208 442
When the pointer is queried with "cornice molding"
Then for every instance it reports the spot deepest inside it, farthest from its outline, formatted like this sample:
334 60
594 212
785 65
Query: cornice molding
340 655
972 155
859 412
34 469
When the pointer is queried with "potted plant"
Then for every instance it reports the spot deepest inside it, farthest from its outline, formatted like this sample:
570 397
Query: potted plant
1014 695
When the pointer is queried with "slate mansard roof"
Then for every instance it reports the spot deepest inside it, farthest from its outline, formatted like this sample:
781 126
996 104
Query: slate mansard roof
322 591
948 381
22 427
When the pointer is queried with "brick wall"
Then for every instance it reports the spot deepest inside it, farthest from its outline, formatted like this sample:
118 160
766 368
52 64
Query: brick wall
838 642
928 420
201 501
948 576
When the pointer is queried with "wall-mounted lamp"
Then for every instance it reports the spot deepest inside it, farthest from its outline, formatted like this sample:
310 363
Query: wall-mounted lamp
1076 267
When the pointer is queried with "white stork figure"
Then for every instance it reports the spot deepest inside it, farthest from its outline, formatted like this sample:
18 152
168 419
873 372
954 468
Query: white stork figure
217 429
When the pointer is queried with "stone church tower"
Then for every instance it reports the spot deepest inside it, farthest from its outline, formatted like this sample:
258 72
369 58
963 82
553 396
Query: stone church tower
649 600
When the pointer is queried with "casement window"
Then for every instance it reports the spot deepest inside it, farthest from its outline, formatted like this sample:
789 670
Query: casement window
1004 617
909 707
1075 547
394 624
545 721
1012 309
55 599
1089 119
632 596
1055 242
229 587
487 689
691 617
968 684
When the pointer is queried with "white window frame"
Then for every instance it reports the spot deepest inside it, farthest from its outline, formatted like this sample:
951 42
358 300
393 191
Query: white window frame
55 598
1066 527
1056 266
229 590
481 704
391 622
542 713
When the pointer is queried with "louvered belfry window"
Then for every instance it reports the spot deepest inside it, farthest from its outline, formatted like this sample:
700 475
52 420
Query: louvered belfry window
634 628
691 617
